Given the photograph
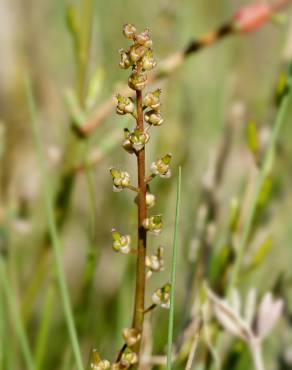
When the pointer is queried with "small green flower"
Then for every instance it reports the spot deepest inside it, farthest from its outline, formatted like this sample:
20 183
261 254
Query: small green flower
124 105
153 224
137 138
155 262
153 117
161 167
121 179
148 61
152 99
129 357
161 297
96 363
121 243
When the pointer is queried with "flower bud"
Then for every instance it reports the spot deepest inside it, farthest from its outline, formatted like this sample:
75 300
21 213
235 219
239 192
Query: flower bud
129 31
150 200
128 358
148 61
137 52
125 105
152 99
121 179
161 297
153 117
125 59
137 81
161 167
121 243
96 363
143 38
155 262
131 336
153 224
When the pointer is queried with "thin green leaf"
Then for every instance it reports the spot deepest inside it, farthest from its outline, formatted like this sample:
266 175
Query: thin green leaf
173 273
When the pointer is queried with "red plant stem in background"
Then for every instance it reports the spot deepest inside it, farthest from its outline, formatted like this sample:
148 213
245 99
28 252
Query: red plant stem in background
252 16
138 317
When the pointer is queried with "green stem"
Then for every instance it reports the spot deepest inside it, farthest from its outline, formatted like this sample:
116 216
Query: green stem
264 171
16 318
173 273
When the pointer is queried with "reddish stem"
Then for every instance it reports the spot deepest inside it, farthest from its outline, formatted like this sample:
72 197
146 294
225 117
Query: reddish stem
138 317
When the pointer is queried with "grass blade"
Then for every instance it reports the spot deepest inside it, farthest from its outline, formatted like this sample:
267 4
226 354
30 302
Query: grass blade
173 273
13 308
56 243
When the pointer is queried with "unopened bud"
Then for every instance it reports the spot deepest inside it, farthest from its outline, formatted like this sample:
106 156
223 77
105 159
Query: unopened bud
150 200
137 81
131 336
129 31
125 59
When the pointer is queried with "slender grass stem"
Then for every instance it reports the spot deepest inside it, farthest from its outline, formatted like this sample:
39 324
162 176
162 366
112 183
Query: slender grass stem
56 243
173 273
16 318
264 171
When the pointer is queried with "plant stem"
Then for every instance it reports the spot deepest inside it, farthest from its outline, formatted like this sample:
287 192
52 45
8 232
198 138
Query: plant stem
256 351
264 171
138 317
173 274
15 316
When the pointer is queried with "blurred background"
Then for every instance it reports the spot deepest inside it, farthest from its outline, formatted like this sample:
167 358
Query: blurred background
207 102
